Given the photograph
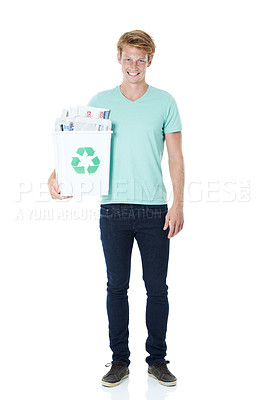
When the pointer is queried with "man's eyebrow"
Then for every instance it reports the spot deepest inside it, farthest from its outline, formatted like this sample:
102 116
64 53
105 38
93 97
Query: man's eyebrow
141 58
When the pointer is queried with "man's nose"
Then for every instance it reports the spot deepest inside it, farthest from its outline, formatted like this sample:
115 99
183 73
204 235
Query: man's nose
134 64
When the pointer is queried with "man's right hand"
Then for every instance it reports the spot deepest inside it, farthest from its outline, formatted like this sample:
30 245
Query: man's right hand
54 188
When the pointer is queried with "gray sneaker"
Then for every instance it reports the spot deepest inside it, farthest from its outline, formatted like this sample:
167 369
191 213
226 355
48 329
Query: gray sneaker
118 372
160 372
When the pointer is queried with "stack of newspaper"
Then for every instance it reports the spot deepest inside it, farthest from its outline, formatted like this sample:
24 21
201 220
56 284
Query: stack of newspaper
84 118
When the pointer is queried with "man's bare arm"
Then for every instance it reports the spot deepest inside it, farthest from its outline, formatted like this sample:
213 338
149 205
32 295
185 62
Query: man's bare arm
176 167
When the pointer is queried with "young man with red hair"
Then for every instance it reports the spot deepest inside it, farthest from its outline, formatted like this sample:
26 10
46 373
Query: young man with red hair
143 117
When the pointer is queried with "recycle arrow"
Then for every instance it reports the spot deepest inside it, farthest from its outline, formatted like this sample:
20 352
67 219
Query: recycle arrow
81 169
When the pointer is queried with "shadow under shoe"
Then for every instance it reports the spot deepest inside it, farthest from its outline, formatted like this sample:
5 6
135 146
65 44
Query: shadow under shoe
118 372
159 371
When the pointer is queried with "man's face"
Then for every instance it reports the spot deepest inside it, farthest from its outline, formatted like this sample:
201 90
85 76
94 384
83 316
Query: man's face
134 63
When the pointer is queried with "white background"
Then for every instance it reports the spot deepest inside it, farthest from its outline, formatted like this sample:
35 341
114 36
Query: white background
210 55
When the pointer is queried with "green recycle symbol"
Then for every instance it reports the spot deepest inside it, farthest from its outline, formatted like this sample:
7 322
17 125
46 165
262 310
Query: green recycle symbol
81 169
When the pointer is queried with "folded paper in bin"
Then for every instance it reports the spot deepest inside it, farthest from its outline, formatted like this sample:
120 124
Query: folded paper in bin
95 112
85 111
82 124
65 124
92 124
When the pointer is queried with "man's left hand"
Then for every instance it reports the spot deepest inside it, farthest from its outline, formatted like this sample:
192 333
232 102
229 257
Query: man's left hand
176 218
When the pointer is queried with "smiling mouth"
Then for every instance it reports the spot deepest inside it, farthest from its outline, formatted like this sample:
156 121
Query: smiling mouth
133 74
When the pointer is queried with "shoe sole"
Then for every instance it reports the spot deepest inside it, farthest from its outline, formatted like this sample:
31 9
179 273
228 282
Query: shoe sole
107 384
163 383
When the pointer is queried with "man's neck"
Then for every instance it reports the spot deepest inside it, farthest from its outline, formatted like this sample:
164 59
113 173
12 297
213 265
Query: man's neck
133 92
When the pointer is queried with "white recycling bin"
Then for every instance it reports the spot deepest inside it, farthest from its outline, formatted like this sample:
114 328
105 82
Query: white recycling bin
82 162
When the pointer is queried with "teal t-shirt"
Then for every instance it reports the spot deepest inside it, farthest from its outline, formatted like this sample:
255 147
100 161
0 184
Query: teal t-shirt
137 144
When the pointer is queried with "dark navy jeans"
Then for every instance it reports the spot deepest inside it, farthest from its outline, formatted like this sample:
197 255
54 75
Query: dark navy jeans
119 225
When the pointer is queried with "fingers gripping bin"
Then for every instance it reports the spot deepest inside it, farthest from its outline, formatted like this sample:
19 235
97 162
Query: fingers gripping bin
82 162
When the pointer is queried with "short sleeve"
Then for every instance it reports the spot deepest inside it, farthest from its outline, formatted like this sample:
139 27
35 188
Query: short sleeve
172 121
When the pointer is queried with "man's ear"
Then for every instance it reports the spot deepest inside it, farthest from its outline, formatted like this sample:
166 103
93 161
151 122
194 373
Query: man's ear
118 58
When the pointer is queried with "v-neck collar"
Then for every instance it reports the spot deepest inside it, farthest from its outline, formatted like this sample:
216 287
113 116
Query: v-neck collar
130 101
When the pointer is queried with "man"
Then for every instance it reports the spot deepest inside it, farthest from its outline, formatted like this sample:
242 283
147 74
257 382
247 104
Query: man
143 117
